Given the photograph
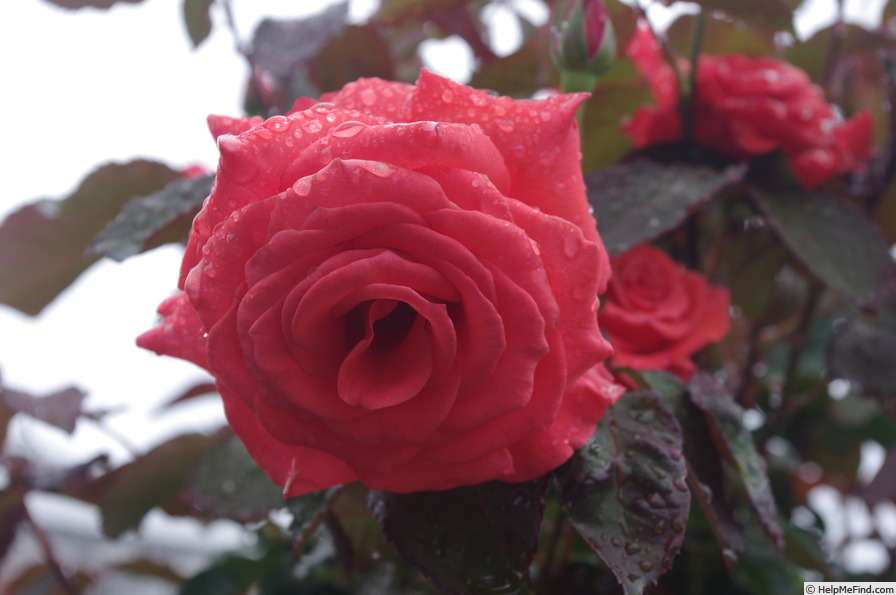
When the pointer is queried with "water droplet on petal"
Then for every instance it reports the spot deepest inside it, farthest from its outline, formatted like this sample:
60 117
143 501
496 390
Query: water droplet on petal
302 187
447 96
645 566
368 97
505 125
348 129
633 548
277 124
312 126
572 246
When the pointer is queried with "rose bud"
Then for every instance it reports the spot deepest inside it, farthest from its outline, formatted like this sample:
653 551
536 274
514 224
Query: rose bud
583 37
398 285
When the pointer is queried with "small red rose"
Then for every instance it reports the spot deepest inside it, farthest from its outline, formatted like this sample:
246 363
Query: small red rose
657 314
398 285
744 107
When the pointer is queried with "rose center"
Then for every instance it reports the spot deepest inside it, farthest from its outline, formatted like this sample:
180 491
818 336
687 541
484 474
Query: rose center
390 360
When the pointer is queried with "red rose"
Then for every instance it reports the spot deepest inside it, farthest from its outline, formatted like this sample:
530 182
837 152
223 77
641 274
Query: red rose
746 107
399 285
657 314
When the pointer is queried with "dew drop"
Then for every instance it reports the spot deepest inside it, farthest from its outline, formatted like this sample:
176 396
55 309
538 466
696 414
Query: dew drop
312 126
302 187
536 248
348 129
447 96
505 125
500 110
277 124
264 133
571 246
645 566
368 97
324 107
632 548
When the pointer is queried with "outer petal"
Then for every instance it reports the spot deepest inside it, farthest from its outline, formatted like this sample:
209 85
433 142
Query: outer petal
298 469
538 138
179 334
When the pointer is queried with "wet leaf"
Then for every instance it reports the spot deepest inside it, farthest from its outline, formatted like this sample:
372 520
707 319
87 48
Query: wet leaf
833 238
472 539
227 483
734 442
282 50
197 19
863 351
60 409
308 511
639 200
625 491
148 221
705 473
42 244
135 488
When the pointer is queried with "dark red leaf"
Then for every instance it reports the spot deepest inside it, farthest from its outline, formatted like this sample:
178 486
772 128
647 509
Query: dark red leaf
639 200
42 245
472 539
735 443
626 491
61 409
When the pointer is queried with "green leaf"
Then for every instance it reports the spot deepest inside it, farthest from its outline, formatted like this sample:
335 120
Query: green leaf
134 489
705 473
79 4
837 242
227 483
625 491
735 443
863 351
616 96
42 245
197 19
639 200
148 221
472 539
60 409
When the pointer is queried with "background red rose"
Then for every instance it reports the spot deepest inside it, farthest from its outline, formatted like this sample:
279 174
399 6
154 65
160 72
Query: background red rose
744 107
657 314
399 285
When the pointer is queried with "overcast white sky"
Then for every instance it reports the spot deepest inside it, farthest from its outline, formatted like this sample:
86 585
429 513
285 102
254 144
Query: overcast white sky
83 88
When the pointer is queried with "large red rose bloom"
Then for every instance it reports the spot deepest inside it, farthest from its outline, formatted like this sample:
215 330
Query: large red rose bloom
744 107
398 285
